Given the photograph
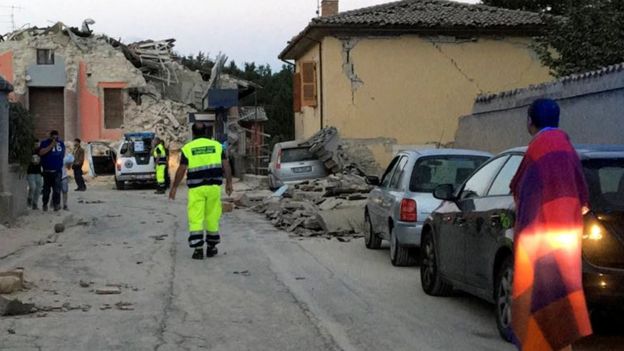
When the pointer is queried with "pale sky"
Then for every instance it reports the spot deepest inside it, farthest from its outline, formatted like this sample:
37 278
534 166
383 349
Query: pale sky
245 30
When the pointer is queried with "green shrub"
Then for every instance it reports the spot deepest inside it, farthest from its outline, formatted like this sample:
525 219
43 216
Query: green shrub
21 135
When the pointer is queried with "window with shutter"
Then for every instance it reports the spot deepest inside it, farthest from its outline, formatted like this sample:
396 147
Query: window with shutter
308 84
297 92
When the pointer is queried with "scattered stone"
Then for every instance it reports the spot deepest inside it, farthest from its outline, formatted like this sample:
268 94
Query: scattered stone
227 206
9 285
245 273
124 306
299 278
343 239
42 315
11 331
139 262
14 307
159 237
105 307
108 290
84 284
59 228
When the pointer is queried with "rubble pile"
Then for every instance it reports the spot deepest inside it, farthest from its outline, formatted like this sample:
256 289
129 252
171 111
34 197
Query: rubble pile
167 118
328 207
339 155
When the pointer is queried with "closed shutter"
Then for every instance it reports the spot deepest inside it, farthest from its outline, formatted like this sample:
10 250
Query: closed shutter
308 84
297 92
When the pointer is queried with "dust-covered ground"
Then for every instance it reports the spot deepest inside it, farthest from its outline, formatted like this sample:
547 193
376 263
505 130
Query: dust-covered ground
264 291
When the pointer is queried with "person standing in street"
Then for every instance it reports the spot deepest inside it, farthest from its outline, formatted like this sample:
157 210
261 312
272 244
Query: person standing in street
160 162
52 152
549 311
205 164
79 156
35 181
68 162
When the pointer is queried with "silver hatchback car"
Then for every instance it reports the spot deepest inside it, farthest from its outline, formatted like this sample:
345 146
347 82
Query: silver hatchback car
403 197
292 163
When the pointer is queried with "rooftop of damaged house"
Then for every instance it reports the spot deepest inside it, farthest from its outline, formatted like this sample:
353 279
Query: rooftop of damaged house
93 87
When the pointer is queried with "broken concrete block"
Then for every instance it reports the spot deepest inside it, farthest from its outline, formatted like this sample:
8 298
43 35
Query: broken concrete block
342 220
227 207
109 290
300 195
256 181
17 272
331 203
14 307
59 227
296 224
10 284
312 224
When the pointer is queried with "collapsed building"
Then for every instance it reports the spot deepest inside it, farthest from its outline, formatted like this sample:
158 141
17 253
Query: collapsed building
95 88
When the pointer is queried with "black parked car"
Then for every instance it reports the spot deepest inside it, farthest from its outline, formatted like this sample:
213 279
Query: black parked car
467 242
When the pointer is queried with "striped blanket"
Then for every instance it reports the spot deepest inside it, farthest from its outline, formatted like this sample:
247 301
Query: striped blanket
548 306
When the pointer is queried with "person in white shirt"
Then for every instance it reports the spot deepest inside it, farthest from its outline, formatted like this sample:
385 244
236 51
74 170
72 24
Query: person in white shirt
68 161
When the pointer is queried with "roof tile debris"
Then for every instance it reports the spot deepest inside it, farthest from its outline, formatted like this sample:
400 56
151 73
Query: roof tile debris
433 13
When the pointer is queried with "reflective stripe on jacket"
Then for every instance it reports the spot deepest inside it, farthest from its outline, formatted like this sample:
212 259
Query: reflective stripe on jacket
204 162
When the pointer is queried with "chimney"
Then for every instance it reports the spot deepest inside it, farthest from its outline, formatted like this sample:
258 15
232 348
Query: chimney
329 8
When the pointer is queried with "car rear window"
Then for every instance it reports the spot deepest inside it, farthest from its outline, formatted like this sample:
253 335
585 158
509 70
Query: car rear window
430 172
136 147
296 155
605 179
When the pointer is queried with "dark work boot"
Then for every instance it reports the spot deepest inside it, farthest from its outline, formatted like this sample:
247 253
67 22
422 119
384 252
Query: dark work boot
211 251
198 254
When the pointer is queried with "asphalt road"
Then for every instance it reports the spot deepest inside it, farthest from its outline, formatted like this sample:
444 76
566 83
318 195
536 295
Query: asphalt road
264 291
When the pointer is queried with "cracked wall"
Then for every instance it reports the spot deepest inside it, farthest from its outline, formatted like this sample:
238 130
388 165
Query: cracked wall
414 88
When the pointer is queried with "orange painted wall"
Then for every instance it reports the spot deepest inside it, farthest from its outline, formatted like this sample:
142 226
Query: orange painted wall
91 109
6 66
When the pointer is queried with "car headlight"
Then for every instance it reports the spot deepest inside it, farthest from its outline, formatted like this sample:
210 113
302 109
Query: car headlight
594 232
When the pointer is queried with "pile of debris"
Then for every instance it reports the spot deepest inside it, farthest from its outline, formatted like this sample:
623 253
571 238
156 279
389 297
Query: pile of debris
328 207
167 118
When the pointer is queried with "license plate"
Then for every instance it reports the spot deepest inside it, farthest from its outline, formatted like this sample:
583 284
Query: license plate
302 169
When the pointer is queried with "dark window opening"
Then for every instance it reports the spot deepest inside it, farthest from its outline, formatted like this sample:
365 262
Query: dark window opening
135 95
113 108
45 56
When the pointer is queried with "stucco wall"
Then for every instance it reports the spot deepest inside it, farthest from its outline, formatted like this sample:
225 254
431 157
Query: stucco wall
591 113
412 88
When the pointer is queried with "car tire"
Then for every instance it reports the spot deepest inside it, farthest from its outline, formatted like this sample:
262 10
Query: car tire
120 185
400 256
502 297
430 279
371 240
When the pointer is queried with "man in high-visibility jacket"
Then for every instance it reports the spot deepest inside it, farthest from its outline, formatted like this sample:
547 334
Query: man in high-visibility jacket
205 164
160 162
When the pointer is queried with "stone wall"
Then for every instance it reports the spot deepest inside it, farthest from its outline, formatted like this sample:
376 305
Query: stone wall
591 112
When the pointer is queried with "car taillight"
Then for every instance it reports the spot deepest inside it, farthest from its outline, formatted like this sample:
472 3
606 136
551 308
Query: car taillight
278 165
408 211
118 165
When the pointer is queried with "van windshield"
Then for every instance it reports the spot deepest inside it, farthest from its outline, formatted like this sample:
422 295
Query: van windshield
296 155
430 172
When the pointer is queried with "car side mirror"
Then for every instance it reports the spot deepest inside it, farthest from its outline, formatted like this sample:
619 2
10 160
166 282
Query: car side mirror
373 180
444 192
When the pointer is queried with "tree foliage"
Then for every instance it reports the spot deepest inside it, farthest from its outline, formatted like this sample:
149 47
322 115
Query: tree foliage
21 134
580 35
275 95
589 36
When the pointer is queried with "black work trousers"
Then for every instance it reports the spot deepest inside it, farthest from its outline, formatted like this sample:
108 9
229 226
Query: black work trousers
80 183
52 183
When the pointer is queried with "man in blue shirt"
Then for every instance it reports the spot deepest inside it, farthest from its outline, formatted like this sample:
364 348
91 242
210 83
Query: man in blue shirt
52 152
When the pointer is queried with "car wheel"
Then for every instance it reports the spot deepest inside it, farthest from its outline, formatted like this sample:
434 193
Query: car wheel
372 240
430 279
119 185
400 256
503 294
